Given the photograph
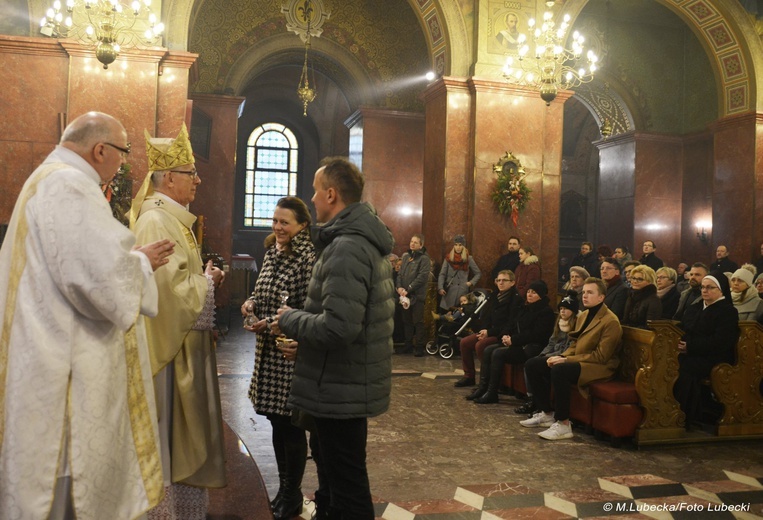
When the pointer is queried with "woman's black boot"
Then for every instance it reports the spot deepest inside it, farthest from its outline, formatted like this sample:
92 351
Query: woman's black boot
478 392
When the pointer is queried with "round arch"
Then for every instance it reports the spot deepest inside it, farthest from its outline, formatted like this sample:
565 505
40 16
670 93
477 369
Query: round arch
733 47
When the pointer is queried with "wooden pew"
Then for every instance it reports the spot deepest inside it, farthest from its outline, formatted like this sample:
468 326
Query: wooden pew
737 387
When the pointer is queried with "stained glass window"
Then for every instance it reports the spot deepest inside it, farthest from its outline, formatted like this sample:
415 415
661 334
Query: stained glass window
271 172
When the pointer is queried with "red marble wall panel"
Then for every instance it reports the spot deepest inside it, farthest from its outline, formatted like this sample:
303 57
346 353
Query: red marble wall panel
697 200
215 196
757 237
734 185
393 165
657 203
518 121
447 166
36 74
172 91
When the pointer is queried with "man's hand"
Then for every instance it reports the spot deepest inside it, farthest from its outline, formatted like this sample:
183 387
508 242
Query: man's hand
442 292
216 273
274 328
402 292
682 347
289 350
556 360
482 334
157 252
258 327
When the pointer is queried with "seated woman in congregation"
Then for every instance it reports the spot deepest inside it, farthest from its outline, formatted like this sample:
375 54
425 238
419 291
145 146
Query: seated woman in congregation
557 343
711 331
578 275
527 271
744 294
667 291
525 338
642 304
500 313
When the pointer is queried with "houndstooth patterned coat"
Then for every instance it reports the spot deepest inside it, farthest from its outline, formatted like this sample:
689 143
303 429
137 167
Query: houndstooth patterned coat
271 381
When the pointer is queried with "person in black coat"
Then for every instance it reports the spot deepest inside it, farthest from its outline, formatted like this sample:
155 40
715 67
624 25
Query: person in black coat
523 339
510 260
711 331
649 257
667 291
642 304
587 259
617 291
723 263
499 313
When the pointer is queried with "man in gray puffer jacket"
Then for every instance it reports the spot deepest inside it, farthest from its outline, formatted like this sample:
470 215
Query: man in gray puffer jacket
343 369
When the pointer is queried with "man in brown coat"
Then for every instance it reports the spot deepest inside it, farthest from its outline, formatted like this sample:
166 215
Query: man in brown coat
591 356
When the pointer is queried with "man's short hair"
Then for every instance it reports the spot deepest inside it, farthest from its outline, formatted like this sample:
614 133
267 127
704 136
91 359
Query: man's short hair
342 175
629 263
700 265
512 237
652 242
508 273
600 285
419 236
614 263
589 244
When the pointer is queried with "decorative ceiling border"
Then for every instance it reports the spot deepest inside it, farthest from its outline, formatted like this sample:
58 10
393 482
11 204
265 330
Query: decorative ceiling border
736 83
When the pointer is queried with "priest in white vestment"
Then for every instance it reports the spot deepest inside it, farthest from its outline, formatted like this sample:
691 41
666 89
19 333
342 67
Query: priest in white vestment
78 434
180 336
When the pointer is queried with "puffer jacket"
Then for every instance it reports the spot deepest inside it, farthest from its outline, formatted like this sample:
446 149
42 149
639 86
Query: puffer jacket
344 366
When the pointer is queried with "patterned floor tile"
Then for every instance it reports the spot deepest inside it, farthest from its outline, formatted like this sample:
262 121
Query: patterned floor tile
641 486
586 502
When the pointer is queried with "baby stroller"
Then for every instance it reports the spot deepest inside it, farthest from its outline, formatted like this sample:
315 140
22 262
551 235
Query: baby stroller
446 341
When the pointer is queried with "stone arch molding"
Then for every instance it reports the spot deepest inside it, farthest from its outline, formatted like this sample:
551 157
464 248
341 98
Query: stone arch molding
249 65
442 24
734 48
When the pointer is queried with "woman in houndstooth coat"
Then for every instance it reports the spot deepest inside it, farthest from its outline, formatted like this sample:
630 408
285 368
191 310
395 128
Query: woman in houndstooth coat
287 267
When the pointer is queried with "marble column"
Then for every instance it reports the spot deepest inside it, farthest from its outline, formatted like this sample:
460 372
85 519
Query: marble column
471 124
737 184
217 168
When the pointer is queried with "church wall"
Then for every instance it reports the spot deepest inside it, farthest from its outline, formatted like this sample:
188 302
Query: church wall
697 197
393 165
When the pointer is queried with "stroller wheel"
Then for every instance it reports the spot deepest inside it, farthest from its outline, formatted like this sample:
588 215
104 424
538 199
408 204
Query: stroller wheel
431 348
446 351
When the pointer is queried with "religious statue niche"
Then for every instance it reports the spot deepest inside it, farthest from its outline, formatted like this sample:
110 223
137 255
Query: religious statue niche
119 194
511 193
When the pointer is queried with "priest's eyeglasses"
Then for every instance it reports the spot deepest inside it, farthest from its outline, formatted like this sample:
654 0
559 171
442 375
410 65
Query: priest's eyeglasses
193 173
125 151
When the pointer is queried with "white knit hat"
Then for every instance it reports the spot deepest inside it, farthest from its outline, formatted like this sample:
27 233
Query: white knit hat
744 275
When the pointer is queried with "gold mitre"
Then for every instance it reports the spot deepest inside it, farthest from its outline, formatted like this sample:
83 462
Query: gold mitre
166 153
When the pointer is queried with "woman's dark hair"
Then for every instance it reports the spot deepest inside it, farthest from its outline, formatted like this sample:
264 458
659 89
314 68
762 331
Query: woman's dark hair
301 213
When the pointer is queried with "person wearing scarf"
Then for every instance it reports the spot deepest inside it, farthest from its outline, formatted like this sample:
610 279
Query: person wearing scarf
745 295
454 281
711 331
643 304
667 291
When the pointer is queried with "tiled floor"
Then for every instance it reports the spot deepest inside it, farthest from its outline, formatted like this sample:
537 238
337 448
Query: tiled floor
434 455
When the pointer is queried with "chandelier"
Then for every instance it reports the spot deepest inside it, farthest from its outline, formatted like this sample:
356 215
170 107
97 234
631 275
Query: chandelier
304 91
108 25
549 66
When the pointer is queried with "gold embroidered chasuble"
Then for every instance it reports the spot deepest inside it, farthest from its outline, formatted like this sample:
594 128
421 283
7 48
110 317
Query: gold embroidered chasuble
74 371
197 446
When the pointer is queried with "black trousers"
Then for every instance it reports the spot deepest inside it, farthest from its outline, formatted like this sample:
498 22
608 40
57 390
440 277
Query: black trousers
339 451
415 331
542 377
495 356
